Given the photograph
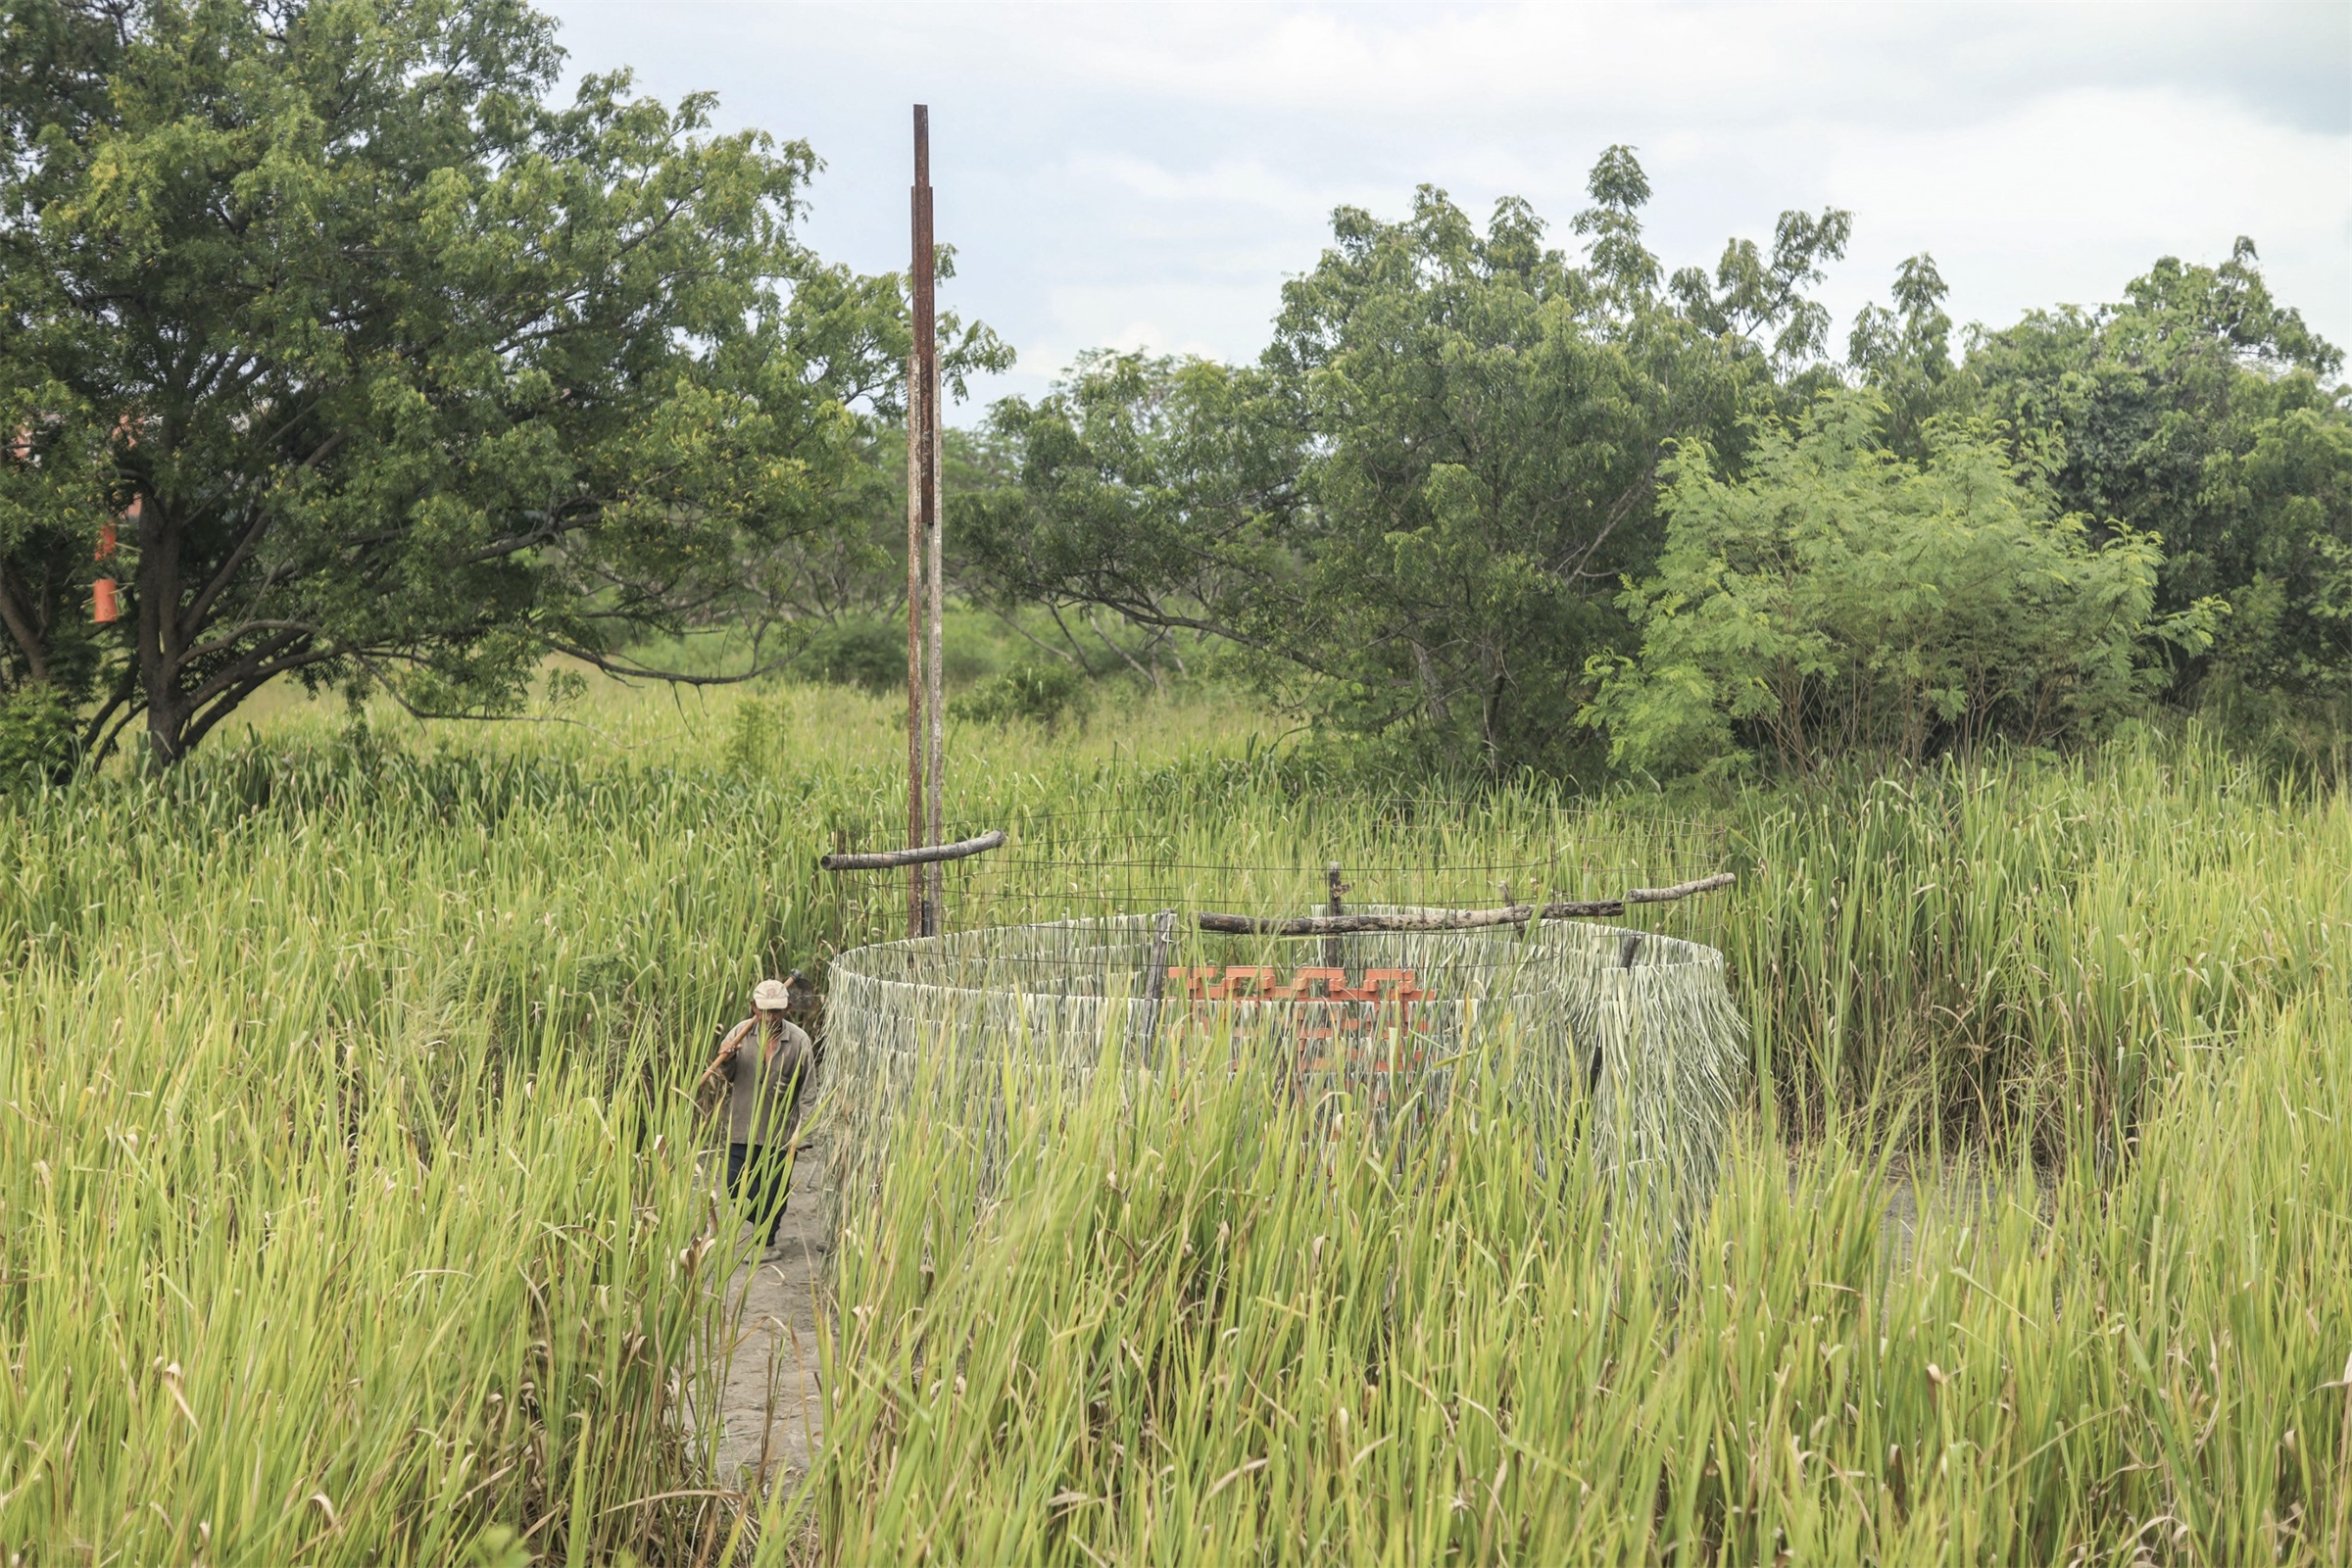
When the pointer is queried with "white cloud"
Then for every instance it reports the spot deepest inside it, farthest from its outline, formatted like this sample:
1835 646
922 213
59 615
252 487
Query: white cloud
1147 174
2069 196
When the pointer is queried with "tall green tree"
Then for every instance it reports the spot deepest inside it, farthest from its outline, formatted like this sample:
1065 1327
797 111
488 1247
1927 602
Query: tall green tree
2202 412
403 372
1904 355
1410 517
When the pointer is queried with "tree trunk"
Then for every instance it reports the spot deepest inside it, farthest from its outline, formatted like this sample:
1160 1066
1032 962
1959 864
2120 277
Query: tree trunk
19 624
1433 692
158 634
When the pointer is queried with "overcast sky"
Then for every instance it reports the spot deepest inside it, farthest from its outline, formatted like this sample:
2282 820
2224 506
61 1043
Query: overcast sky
1146 175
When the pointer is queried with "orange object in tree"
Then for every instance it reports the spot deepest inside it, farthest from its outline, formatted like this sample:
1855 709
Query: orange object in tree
106 541
102 602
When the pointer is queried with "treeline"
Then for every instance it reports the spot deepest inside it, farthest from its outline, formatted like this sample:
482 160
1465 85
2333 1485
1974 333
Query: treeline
338 350
1487 500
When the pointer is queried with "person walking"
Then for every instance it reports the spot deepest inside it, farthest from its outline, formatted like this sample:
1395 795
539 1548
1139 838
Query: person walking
765 1061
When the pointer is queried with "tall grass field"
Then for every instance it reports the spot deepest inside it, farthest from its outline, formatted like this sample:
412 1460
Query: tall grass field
352 1207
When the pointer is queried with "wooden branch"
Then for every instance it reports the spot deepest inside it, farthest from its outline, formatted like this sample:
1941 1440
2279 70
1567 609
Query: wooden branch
1333 925
891 859
238 633
261 656
636 671
192 623
225 701
125 685
113 737
1324 925
1681 889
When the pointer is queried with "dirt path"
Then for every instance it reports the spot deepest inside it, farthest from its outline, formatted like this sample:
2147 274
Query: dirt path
772 1411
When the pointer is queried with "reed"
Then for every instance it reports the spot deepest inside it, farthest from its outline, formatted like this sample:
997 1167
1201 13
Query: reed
1174 1328
350 1213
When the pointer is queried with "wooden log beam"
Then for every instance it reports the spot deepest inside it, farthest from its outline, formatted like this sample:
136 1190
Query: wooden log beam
1325 926
921 854
1333 925
1681 889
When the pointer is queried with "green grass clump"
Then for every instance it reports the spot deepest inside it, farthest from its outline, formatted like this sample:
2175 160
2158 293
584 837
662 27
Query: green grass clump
314 1246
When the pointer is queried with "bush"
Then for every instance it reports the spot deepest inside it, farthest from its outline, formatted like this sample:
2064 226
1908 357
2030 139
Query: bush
1841 600
38 743
868 653
1045 691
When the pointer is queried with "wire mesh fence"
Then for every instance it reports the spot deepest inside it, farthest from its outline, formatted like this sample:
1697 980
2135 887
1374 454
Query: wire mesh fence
1624 1039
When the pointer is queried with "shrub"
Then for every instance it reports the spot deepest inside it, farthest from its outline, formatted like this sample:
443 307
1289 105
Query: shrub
1045 691
1838 599
37 736
863 651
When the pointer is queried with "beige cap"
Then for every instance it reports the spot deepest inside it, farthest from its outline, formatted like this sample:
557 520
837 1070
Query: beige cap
771 996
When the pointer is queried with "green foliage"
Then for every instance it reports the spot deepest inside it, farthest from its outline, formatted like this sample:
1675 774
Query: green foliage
2197 410
1047 691
413 375
51 492
862 651
37 736
1156 488
1841 601
1409 513
1408 517
854 568
1904 356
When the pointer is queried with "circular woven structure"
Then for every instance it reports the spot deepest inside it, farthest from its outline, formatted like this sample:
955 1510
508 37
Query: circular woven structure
1625 1038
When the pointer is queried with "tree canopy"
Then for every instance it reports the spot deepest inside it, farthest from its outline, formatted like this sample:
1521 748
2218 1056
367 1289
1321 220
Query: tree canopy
394 369
342 350
2197 409
1471 478
1410 516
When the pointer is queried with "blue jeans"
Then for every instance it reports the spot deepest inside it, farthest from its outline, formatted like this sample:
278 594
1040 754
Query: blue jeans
760 1176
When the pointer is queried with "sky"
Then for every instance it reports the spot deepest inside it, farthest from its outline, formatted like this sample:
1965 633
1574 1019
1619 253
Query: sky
1146 175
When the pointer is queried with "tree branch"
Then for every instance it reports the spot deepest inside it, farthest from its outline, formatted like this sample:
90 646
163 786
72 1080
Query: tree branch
21 630
257 658
1617 515
633 672
232 696
236 634
1318 925
193 621
95 751
926 855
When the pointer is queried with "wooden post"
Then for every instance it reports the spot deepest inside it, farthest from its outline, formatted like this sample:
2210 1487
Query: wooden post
1335 955
936 784
1155 981
914 643
918 508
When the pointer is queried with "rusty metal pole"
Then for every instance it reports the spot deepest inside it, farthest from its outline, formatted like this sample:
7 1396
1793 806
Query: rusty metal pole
919 299
934 525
